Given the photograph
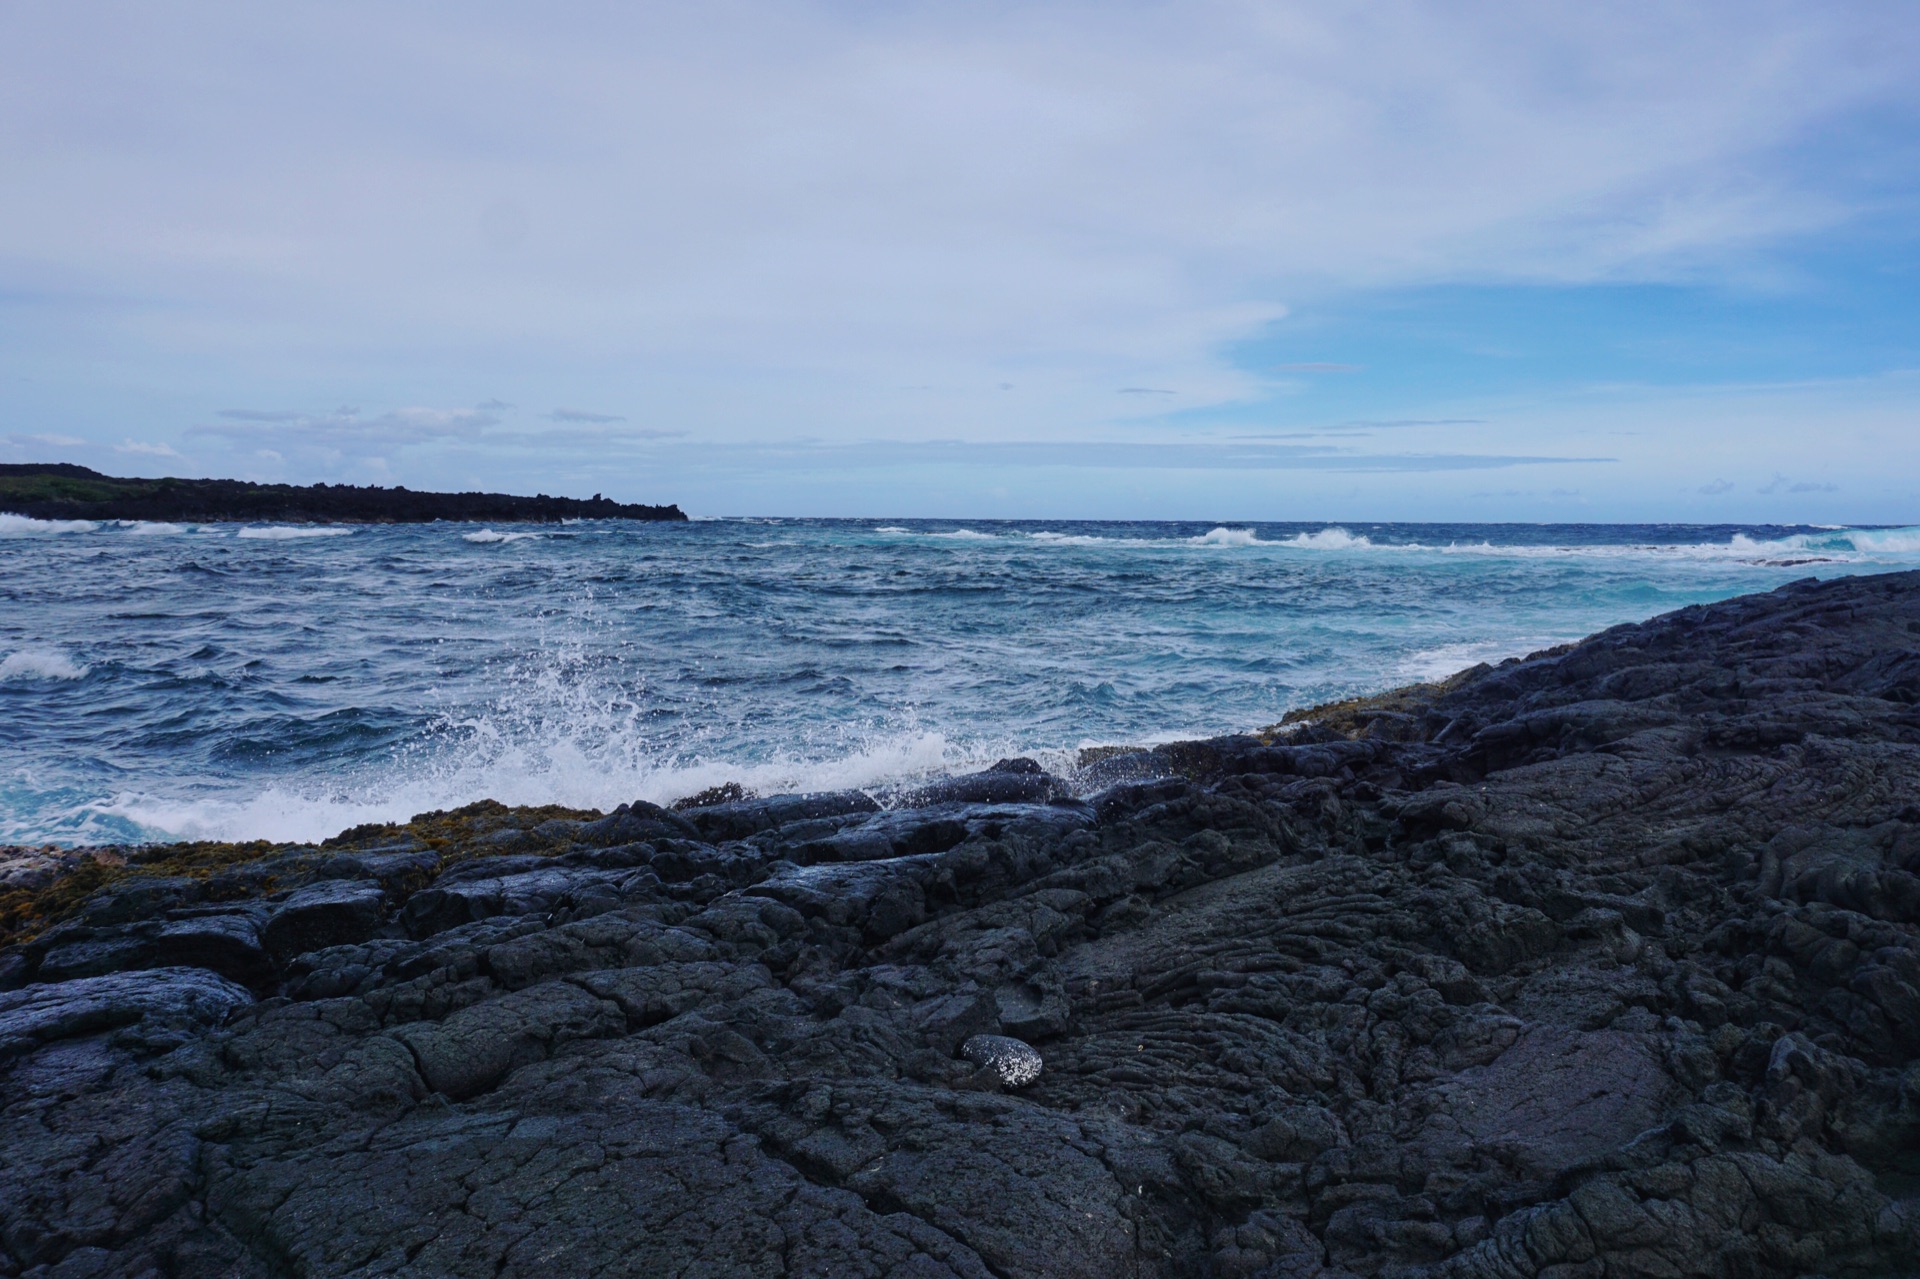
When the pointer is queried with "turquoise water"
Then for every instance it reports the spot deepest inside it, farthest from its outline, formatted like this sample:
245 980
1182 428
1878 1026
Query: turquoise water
159 681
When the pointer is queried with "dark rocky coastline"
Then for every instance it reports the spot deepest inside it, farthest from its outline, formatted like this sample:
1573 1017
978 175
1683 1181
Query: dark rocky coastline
1602 963
61 491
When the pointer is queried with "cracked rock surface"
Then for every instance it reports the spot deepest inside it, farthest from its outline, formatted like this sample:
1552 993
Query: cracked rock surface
1601 963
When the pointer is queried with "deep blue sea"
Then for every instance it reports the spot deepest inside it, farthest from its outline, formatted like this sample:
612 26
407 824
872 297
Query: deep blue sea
161 681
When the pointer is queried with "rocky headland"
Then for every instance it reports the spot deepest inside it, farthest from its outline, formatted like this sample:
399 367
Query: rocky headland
62 491
1600 963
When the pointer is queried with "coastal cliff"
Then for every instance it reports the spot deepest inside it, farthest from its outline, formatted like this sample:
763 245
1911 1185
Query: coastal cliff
61 491
1602 962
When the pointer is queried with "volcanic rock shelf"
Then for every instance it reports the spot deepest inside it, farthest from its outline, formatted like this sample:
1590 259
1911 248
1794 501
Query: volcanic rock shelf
1598 963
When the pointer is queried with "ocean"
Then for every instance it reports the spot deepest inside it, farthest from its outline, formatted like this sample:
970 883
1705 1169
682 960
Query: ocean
236 682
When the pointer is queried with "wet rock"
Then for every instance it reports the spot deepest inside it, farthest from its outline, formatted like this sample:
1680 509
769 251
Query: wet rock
1008 782
141 898
228 942
41 1014
744 818
1015 1063
332 913
632 823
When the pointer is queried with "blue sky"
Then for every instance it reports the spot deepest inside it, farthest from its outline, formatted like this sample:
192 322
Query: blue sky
1214 260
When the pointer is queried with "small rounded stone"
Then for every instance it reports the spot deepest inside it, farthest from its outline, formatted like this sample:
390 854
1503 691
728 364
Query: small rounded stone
1016 1063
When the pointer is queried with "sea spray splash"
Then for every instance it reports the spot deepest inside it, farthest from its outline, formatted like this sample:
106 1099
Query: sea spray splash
210 683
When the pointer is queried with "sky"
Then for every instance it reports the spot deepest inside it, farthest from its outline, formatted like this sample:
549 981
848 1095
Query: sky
1372 261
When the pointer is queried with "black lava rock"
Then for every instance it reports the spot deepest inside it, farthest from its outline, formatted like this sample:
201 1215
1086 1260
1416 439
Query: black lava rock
63 491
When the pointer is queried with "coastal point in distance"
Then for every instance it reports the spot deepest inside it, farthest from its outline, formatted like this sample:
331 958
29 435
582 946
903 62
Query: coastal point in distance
62 491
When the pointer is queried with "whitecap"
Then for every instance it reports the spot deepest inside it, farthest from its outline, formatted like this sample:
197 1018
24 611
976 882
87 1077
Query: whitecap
1227 537
1070 539
40 663
284 533
1430 665
151 528
1330 539
489 535
965 535
1885 541
27 526
892 528
1792 551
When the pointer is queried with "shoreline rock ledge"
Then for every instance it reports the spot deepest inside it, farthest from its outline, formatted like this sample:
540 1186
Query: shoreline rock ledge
1598 963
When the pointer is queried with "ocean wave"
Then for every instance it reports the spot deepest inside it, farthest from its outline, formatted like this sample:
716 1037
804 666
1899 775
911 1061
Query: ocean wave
1429 665
40 663
1227 537
1048 538
150 528
1888 541
1837 546
287 533
1332 539
487 535
567 772
26 526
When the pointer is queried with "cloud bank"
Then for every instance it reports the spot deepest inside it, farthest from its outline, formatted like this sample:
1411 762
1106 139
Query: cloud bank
761 222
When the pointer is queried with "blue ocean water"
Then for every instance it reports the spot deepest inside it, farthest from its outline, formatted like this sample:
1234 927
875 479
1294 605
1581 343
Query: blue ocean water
160 681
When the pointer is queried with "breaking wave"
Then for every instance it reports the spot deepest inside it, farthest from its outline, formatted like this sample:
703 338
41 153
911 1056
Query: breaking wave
288 533
40 663
26 526
1227 537
487 535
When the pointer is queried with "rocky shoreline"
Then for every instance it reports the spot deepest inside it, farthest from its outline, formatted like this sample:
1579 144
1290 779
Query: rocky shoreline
63 491
1601 963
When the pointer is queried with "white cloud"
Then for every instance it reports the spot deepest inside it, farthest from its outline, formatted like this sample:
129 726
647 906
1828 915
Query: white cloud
145 449
347 425
752 223
47 440
758 209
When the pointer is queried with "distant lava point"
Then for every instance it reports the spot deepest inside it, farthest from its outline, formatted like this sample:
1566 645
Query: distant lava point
62 491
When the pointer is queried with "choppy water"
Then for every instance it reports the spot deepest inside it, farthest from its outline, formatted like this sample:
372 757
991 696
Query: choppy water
162 681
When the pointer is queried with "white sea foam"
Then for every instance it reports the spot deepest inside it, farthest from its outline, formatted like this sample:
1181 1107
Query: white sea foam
563 771
27 526
1888 541
1072 539
965 535
40 663
1228 537
1842 546
557 733
1329 539
489 535
286 533
892 528
1431 664
150 528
